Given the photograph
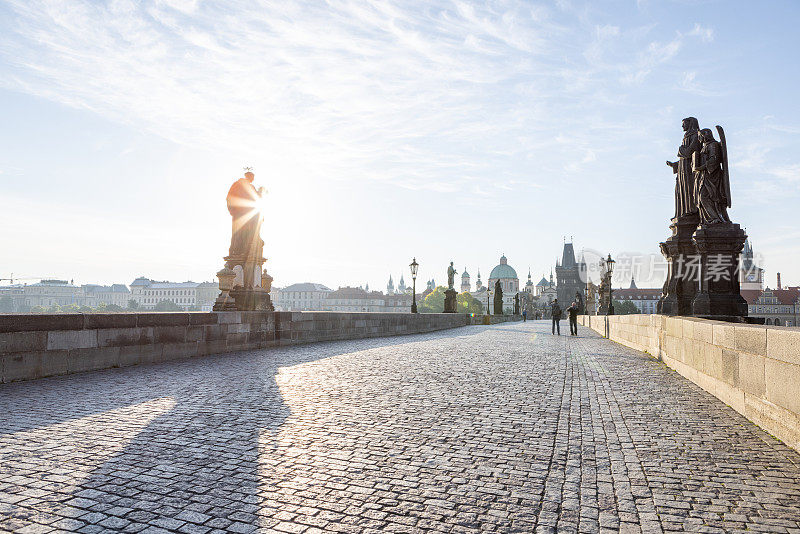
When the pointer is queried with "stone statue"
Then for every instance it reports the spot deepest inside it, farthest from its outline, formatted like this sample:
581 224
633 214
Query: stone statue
451 274
242 280
516 304
713 186
579 300
247 219
685 197
498 298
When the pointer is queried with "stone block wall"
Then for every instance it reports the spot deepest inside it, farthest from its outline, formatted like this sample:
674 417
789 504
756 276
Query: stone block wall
755 369
34 346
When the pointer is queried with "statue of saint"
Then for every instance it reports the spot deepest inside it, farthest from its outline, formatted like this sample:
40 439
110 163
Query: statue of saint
498 298
579 301
243 206
451 274
713 186
685 197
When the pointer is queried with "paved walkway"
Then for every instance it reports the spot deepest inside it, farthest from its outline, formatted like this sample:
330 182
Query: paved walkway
486 428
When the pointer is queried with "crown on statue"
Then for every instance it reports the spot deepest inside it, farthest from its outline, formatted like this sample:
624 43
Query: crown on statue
248 171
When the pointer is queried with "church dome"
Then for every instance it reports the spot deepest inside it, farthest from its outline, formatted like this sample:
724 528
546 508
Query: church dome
542 282
504 270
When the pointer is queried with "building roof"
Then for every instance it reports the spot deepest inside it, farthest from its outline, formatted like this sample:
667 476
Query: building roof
141 281
306 286
173 285
784 296
542 282
503 270
354 293
637 293
53 283
114 288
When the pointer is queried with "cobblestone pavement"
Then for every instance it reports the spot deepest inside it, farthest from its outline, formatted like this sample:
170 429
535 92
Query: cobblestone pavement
487 428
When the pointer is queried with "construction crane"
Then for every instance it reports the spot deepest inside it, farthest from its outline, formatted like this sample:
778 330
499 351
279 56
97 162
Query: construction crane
11 279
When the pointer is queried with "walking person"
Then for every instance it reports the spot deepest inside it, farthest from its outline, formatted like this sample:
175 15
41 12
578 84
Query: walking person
572 311
555 312
524 315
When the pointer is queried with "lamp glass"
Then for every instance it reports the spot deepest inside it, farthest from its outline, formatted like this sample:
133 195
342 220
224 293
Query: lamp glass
414 266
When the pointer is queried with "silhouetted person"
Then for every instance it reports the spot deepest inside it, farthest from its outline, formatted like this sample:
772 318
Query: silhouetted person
572 311
555 312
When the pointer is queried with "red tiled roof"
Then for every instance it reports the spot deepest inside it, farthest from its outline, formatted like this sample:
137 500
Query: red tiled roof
784 296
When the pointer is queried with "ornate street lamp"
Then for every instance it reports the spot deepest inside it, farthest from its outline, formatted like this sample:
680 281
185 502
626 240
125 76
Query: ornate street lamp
610 264
414 267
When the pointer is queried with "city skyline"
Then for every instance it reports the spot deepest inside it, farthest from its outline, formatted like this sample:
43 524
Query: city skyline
441 131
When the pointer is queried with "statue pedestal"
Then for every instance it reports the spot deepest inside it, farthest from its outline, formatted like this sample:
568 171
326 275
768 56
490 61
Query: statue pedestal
254 299
719 246
681 285
450 301
243 285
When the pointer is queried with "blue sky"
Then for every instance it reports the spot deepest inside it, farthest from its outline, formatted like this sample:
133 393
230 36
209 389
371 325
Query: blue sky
382 130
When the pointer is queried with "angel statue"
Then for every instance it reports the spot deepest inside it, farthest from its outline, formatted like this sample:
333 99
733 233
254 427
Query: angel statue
713 181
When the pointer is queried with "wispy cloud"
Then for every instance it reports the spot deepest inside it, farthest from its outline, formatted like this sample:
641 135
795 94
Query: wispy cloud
416 94
705 33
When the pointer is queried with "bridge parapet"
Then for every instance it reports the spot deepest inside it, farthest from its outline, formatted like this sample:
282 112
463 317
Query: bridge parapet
755 369
35 346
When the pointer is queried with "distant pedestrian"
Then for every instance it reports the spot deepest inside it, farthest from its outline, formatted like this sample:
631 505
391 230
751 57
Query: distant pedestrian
524 315
573 318
555 312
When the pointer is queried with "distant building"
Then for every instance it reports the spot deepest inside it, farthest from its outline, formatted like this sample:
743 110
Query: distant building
547 291
570 276
300 297
645 300
354 299
509 282
115 294
54 292
465 282
751 276
148 293
779 307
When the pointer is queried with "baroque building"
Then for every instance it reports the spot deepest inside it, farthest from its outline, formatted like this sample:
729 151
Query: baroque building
509 281
465 282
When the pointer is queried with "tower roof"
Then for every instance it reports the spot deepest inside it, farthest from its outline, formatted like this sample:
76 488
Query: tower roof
568 256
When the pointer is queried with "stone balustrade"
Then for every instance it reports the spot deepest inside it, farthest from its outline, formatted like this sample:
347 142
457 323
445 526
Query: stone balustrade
35 346
755 369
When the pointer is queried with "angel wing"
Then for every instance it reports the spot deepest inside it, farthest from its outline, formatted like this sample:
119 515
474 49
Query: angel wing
725 176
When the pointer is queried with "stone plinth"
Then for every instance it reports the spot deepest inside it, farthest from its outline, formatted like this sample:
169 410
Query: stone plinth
450 301
255 299
719 295
679 250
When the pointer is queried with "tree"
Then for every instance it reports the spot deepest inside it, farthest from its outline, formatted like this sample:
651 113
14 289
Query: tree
132 304
625 307
167 305
433 301
114 308
466 303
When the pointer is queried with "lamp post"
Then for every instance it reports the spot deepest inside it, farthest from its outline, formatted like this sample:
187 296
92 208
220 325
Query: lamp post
610 264
488 295
414 266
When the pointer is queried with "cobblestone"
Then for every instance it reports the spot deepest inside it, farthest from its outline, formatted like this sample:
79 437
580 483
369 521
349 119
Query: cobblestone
486 428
